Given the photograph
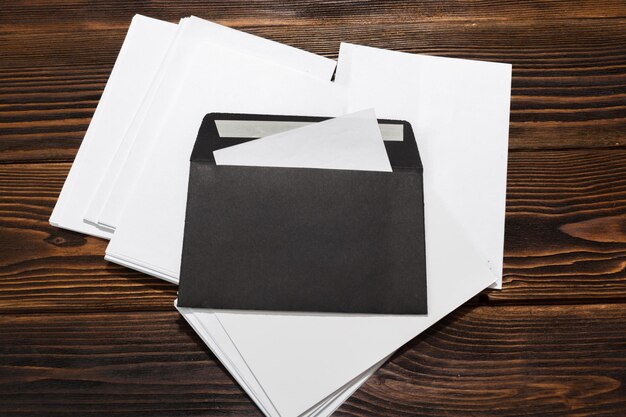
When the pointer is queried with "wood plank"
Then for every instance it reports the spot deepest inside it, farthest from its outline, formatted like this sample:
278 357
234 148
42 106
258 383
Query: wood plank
27 13
513 361
565 226
569 85
144 364
522 360
565 239
43 267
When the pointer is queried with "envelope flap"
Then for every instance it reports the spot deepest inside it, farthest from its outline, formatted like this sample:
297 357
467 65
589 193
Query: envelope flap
222 130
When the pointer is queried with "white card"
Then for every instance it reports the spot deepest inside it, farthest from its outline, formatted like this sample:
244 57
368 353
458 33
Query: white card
114 191
149 235
141 54
352 141
459 110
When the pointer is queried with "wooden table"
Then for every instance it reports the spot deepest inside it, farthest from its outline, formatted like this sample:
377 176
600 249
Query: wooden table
83 337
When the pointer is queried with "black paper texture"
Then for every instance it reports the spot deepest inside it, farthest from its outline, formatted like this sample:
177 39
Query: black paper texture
301 239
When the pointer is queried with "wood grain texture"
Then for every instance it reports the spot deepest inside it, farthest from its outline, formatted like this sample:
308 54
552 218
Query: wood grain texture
565 226
507 361
569 84
47 268
140 364
83 337
28 13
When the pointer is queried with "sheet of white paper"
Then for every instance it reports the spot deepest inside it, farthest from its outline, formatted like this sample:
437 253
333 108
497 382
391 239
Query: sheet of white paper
351 142
149 235
317 354
114 190
141 54
459 110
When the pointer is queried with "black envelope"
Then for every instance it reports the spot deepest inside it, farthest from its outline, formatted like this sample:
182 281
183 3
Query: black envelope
300 239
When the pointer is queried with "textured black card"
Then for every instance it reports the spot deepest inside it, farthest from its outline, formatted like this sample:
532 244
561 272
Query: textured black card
300 239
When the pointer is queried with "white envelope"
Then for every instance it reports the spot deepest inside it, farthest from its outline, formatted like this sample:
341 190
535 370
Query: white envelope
141 54
149 235
459 110
119 181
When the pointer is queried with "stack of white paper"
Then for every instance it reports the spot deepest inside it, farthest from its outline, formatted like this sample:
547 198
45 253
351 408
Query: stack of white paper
129 182
146 44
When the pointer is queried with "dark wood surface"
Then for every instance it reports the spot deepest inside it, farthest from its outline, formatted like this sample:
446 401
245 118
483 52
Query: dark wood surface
83 337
